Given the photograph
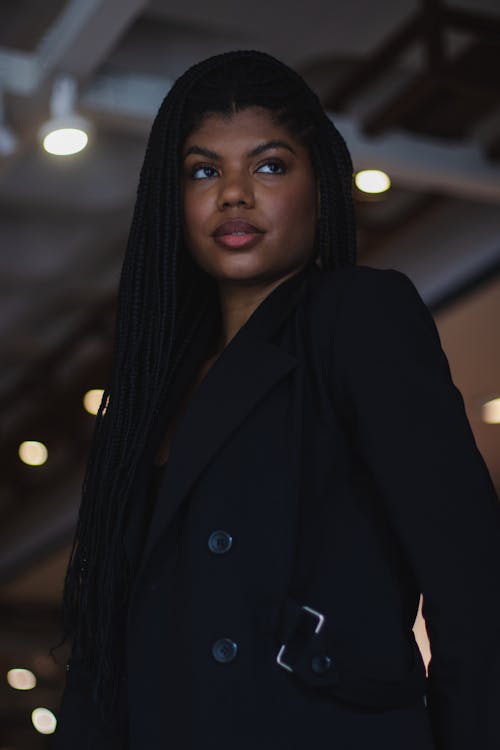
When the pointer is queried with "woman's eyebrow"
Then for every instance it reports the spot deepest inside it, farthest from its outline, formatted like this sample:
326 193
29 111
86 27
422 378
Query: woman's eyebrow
209 154
268 145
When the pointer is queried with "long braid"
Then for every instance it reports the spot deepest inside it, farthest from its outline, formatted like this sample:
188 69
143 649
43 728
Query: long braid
162 298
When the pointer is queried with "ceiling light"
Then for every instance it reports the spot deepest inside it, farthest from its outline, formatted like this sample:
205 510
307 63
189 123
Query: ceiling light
491 411
44 721
92 400
66 132
21 679
372 181
64 137
33 453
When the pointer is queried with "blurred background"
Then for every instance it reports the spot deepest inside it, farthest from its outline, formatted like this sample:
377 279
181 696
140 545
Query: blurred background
413 86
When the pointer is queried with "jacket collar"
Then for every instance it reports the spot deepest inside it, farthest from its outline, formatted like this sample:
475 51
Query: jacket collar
244 372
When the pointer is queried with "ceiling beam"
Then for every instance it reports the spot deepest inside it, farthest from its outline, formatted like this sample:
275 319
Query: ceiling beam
367 71
76 43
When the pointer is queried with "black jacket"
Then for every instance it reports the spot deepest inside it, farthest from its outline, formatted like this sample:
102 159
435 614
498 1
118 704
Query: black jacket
328 436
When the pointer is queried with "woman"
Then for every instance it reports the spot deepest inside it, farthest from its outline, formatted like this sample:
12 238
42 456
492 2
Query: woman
281 464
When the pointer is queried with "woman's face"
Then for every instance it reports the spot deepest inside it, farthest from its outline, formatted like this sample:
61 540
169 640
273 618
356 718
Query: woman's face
247 169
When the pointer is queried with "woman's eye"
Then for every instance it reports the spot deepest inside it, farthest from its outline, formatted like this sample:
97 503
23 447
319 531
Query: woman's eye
195 174
277 167
269 167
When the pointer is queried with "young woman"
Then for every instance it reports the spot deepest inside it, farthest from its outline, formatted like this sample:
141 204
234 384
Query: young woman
282 463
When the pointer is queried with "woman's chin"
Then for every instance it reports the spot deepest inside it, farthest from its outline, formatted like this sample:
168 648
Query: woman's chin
242 268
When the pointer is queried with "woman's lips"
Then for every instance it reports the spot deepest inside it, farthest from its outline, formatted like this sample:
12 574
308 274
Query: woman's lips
239 239
237 233
236 226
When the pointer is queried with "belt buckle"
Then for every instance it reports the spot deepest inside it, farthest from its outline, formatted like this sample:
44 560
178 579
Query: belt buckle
319 625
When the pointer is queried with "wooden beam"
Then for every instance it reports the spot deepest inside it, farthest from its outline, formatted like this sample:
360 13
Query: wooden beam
427 26
433 34
400 105
486 27
404 102
374 66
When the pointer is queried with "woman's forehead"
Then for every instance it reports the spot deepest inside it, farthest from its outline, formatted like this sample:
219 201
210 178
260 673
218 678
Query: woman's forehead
244 126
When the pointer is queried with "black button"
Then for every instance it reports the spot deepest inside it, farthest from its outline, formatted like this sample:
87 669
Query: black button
224 650
219 541
320 663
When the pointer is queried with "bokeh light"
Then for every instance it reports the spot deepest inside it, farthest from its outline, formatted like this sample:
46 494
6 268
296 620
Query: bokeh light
33 453
65 141
372 181
44 720
491 411
21 679
92 400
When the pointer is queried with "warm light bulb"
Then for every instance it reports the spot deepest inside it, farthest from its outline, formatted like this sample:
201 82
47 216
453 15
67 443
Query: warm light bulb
92 400
372 181
65 141
491 411
33 453
21 679
44 720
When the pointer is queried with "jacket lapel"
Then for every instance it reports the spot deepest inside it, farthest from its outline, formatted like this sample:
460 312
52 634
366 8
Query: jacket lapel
139 507
241 376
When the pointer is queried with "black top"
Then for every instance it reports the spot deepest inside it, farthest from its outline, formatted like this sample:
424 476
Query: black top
155 482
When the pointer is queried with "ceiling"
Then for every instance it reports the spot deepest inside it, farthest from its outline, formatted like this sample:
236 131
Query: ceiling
414 88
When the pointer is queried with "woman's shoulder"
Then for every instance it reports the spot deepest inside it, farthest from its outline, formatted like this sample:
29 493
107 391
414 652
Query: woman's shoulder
367 305
359 285
338 278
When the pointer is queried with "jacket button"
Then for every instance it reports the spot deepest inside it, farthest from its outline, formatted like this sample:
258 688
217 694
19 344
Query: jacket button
219 541
320 663
224 650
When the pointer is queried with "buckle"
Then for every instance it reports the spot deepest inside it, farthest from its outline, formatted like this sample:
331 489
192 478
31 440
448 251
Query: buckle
319 625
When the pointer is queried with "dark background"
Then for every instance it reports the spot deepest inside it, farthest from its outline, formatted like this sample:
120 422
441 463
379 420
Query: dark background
414 88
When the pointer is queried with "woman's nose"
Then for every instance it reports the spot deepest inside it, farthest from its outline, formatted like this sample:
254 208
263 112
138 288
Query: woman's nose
236 190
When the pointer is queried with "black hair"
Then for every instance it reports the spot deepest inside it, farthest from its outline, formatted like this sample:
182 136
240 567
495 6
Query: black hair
162 296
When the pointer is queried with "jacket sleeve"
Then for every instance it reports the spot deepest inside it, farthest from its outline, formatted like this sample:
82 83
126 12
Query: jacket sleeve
410 426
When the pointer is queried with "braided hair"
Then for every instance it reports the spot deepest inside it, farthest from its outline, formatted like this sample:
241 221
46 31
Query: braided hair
162 297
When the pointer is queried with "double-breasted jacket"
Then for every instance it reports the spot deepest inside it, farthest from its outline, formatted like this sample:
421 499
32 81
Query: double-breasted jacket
322 477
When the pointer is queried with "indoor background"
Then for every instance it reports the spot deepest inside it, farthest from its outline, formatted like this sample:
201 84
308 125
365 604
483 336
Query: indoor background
413 86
